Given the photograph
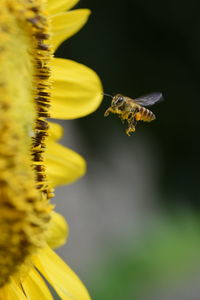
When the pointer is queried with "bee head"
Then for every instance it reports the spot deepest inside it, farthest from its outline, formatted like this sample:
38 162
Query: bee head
117 101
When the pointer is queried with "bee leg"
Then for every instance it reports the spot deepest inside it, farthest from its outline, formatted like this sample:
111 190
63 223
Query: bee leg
128 131
131 128
134 122
130 117
107 112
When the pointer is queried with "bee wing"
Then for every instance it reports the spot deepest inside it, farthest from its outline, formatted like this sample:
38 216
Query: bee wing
149 99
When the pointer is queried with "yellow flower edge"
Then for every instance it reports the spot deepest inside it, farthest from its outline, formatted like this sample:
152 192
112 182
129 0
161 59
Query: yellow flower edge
66 167
65 282
66 24
84 89
27 31
54 6
58 231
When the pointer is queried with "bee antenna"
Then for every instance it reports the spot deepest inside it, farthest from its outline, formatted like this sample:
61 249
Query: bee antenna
107 95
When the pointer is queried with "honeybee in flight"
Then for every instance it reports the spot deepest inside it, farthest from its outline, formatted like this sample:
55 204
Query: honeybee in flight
133 110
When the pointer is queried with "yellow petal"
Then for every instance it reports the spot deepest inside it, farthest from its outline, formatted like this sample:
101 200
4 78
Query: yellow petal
35 287
55 131
63 165
77 90
60 276
58 231
12 291
66 24
56 6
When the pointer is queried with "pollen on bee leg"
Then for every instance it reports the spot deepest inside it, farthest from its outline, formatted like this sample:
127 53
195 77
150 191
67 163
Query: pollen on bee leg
138 116
129 130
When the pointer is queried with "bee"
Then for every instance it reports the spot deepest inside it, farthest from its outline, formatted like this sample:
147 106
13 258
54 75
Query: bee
133 110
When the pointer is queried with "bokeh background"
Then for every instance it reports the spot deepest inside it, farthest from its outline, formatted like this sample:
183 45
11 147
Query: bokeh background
134 217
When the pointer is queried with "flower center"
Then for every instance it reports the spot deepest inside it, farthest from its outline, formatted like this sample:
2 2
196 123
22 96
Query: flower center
24 104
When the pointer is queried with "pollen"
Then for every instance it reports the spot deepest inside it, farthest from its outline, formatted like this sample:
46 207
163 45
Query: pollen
138 116
24 106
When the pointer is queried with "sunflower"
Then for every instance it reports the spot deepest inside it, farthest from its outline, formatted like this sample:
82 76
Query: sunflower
35 86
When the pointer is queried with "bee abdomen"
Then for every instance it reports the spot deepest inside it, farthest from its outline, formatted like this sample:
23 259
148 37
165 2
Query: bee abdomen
146 115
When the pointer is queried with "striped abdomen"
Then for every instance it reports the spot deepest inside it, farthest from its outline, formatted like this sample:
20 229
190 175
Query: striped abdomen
144 114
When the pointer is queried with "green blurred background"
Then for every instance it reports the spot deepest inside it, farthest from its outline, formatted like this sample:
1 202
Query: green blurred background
134 218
